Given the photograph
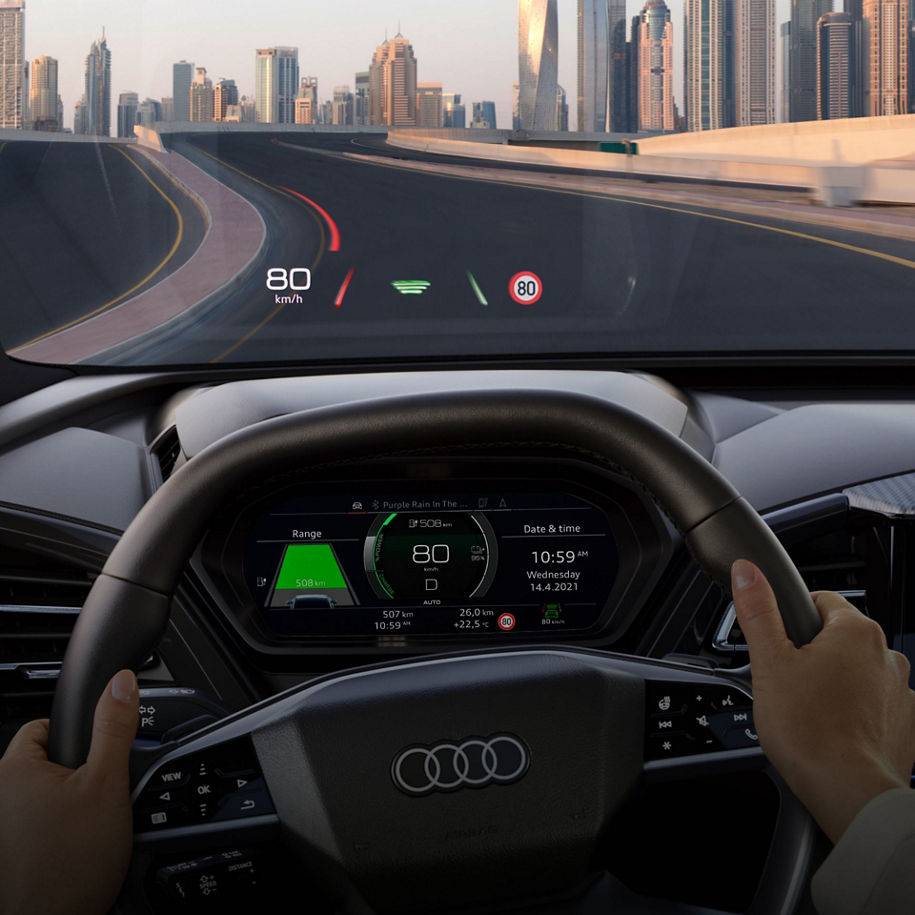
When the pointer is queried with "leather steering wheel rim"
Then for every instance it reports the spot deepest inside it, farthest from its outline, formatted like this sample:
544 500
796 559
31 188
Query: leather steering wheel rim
127 609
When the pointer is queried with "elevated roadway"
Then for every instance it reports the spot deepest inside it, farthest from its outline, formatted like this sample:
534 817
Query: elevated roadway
416 262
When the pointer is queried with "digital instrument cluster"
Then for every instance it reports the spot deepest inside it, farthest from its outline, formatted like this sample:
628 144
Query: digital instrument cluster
431 564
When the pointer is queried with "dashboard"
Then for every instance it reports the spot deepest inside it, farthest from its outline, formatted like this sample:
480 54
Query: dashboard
305 575
436 553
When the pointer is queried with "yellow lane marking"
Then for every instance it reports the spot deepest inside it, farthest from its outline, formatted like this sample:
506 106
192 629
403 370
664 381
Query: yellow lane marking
250 335
133 289
321 249
869 252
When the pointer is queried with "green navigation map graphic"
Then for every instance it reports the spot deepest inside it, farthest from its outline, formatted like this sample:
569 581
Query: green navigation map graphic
310 569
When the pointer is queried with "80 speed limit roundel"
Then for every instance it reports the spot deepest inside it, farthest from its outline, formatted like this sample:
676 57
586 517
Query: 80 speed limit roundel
525 288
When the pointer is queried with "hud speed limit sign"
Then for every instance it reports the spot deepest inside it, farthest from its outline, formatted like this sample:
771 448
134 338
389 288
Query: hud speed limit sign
525 288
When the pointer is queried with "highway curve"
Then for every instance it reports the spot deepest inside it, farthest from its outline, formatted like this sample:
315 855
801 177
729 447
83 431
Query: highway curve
84 227
619 275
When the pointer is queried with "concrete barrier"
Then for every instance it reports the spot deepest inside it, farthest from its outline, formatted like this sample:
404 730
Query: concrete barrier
820 176
846 141
7 135
149 139
831 183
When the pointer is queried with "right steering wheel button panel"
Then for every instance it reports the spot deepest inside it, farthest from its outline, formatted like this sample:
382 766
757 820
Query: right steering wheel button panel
689 719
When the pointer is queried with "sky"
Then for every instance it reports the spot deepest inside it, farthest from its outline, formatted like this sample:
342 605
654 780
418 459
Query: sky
470 46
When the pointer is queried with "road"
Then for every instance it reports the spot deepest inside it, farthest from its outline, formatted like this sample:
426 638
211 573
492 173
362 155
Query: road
84 227
618 275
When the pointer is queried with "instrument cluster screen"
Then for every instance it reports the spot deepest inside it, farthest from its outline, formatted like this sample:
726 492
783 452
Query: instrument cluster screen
485 563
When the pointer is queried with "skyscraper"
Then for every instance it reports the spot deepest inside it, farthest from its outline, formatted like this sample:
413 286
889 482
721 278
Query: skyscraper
149 111
805 14
835 65
562 110
484 115
619 85
128 103
784 39
43 94
754 54
305 110
98 89
593 66
392 84
13 99
455 111
886 30
81 117
362 98
225 95
632 74
306 101
202 98
344 107
538 53
182 77
656 67
430 108
276 85
706 64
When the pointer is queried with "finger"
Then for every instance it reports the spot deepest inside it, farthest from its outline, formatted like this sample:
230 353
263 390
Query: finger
30 742
832 605
758 614
113 730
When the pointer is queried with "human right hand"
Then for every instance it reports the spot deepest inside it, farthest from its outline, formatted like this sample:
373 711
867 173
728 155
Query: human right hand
835 717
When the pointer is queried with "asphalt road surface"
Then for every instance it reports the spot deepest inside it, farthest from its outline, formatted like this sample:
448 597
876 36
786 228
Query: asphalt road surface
615 275
83 224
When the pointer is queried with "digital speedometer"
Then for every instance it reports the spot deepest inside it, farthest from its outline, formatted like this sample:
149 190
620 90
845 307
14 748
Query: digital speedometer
392 563
446 556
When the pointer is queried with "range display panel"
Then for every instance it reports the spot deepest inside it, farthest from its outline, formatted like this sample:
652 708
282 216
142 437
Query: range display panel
424 564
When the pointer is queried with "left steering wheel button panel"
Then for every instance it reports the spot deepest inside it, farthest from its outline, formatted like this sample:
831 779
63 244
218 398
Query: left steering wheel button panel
194 789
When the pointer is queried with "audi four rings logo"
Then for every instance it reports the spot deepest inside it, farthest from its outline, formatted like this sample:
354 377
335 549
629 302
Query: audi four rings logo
472 763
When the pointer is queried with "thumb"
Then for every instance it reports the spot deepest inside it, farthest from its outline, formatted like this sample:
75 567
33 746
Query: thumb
758 614
113 729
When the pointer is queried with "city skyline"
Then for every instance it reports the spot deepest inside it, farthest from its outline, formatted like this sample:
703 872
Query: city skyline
434 68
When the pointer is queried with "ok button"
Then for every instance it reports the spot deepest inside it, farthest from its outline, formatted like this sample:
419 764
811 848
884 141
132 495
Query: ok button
205 790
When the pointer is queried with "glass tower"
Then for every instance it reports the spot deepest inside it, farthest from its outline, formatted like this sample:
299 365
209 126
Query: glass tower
276 85
98 89
538 50
593 66
182 77
802 62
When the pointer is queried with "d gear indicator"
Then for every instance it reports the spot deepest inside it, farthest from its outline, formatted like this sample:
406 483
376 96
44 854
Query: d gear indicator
449 556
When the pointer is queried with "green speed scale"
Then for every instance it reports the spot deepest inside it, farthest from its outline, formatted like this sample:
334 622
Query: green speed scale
431 557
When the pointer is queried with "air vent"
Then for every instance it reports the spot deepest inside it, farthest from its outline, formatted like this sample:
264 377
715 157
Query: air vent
167 450
38 609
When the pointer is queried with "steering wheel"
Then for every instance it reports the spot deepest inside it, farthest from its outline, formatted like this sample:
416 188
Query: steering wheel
431 782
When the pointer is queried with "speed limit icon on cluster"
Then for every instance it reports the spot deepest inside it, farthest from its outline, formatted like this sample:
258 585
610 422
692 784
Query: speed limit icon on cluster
526 288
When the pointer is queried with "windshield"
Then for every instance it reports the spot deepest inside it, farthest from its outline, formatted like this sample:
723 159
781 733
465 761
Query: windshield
193 184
